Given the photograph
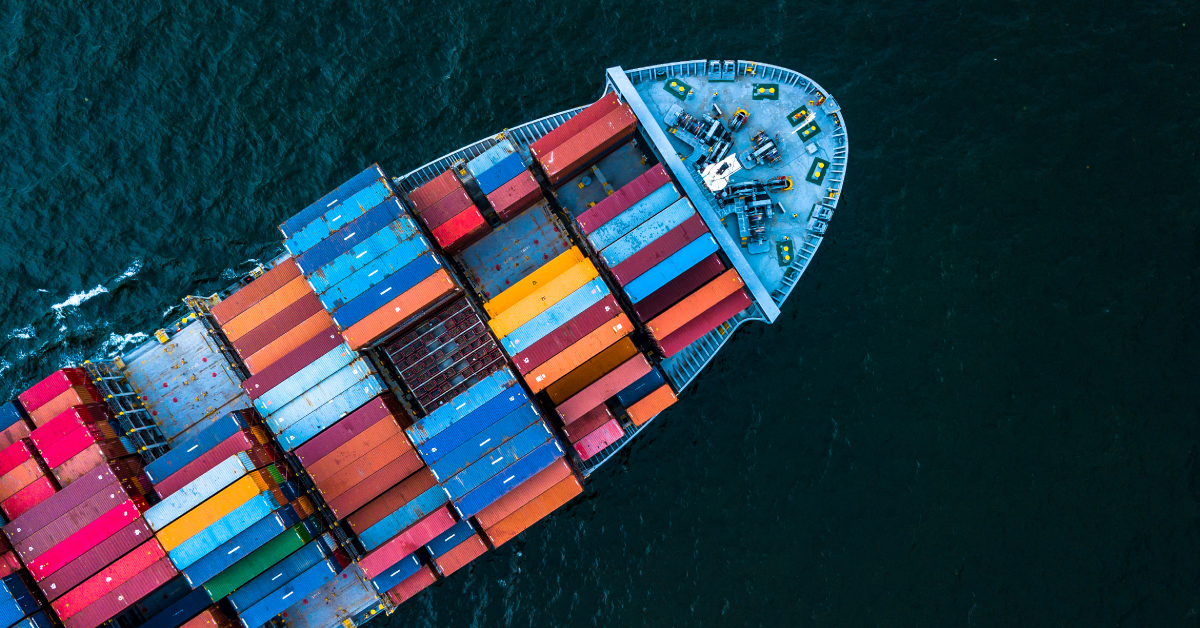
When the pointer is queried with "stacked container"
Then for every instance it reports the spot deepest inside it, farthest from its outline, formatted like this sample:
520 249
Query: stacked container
529 502
290 580
25 480
235 432
584 138
346 597
18 601
63 389
456 547
366 260
448 212
82 437
502 176
700 312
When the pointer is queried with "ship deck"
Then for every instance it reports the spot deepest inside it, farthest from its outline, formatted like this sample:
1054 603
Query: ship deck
514 250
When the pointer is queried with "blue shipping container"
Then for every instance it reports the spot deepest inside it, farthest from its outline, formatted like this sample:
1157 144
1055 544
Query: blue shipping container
498 460
396 574
479 445
383 292
223 529
284 571
499 485
238 547
309 400
348 595
404 516
305 379
451 538
280 599
330 413
183 454
506 170
670 268
10 413
382 241
647 232
637 213
176 614
36 620
200 489
352 234
555 316
373 273
360 203
638 390
490 157
472 423
174 590
460 406
343 192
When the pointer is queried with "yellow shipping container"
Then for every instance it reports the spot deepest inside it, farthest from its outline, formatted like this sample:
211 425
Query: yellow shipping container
213 508
543 297
526 286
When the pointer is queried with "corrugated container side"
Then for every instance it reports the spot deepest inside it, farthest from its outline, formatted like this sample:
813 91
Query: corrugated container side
566 334
592 370
576 124
16 431
240 546
227 527
172 591
504 171
362 201
9 564
68 446
543 297
332 412
388 502
124 596
319 389
514 197
58 504
74 396
630 193
403 517
598 439
659 250
11 412
536 510
411 586
267 307
102 554
525 287
52 386
185 452
28 497
279 600
397 573
376 485
211 617
356 232
92 589
364 466
304 380
599 339
377 561
461 231
645 385
695 304
656 202
510 478
433 191
385 291
206 515
334 271
486 441
318 345
71 521
341 432
651 405
374 273
450 538
282 274
554 316
78 543
490 157
711 319
498 460
239 441
344 191
463 553
271 329
445 208
671 268
194 494
587 423
66 422
460 406
595 394
288 342
263 570
648 232
384 431
17 453
678 288
567 158
472 423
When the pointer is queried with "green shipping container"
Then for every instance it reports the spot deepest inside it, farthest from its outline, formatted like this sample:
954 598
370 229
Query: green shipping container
258 561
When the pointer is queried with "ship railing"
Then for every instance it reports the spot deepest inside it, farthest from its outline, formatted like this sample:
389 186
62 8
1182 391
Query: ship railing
664 71
682 367
799 264
137 426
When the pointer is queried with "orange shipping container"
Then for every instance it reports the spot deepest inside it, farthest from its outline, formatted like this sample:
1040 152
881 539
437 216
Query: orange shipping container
524 493
543 297
464 553
211 617
412 585
353 449
213 508
585 146
73 396
15 432
695 304
358 470
269 306
21 476
399 310
394 498
651 405
592 370
525 287
254 291
288 342
534 511
376 484
581 351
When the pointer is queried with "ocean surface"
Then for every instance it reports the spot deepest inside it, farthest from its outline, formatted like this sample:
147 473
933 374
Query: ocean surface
981 406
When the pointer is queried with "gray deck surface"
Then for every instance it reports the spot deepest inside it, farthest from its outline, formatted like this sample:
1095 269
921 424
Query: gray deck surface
514 250
618 167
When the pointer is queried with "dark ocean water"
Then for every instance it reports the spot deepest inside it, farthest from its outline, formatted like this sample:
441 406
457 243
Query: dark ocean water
979 408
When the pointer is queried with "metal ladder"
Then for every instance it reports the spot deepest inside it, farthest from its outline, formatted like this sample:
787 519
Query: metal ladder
137 425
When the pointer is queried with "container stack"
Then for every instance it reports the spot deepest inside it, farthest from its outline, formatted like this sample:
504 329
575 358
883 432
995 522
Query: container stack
448 212
503 177
235 432
65 388
455 547
348 596
25 480
445 354
366 260
566 150
19 602
294 577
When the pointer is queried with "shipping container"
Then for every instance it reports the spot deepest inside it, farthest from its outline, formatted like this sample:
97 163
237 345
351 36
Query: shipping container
434 190
461 231
595 394
695 304
211 617
451 538
11 412
105 552
63 552
107 579
378 561
310 350
66 422
21 501
553 317
582 120
472 423
65 448
128 468
279 600
194 494
52 386
588 145
332 412
463 553
383 221
36 620
9 563
240 546
73 396
449 206
670 268
566 334
598 439
375 485
370 275
304 380
504 171
69 522
16 453
592 370
645 385
651 405
124 595
362 201
341 433
385 291
349 597
628 194
678 288
330 273
543 297
170 592
479 445
282 274
262 570
284 345
511 477
271 329
498 460
384 431
207 514
712 318
490 157
357 470
344 191
656 202
515 196
646 233
536 510
180 612
316 390
184 452
659 250
411 586
15 432
395 497
588 347
228 526
588 423
527 286
403 517
462 405
16 600
396 573
45 513
265 308
241 440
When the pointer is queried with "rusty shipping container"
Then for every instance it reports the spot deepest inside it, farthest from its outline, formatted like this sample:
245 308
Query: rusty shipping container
288 342
382 432
592 370
364 493
588 145
536 510
272 328
363 466
582 402
255 291
434 191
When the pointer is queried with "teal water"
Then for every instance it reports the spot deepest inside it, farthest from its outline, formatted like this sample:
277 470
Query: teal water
979 407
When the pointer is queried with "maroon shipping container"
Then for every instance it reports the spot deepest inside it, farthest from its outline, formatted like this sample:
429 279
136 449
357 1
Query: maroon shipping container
367 464
54 385
241 441
15 454
581 121
445 208
124 596
433 191
514 197
94 456
678 288
384 430
598 391
704 323
15 432
254 291
70 522
59 504
566 334
73 396
588 145
78 441
624 198
92 561
387 503
28 497
660 249
353 424
598 439
68 421
587 423
376 485
271 329
21 476
295 360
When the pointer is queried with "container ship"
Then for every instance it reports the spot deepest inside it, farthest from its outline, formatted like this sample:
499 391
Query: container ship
434 363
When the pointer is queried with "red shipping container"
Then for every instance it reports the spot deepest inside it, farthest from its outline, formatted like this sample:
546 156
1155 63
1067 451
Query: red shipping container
21 476
711 319
623 198
300 357
108 579
395 497
376 485
541 482
426 296
9 564
434 191
588 423
16 453
81 438
59 504
536 510
383 431
353 424
254 291
650 405
68 421
570 128
211 617
124 596
54 385
241 441
86 538
600 438
460 231
678 288
514 197
274 327
103 554
95 455
462 554
15 432
429 527
662 248
360 469
70 522
445 208
596 392
588 145
566 335
412 585
28 497
73 396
